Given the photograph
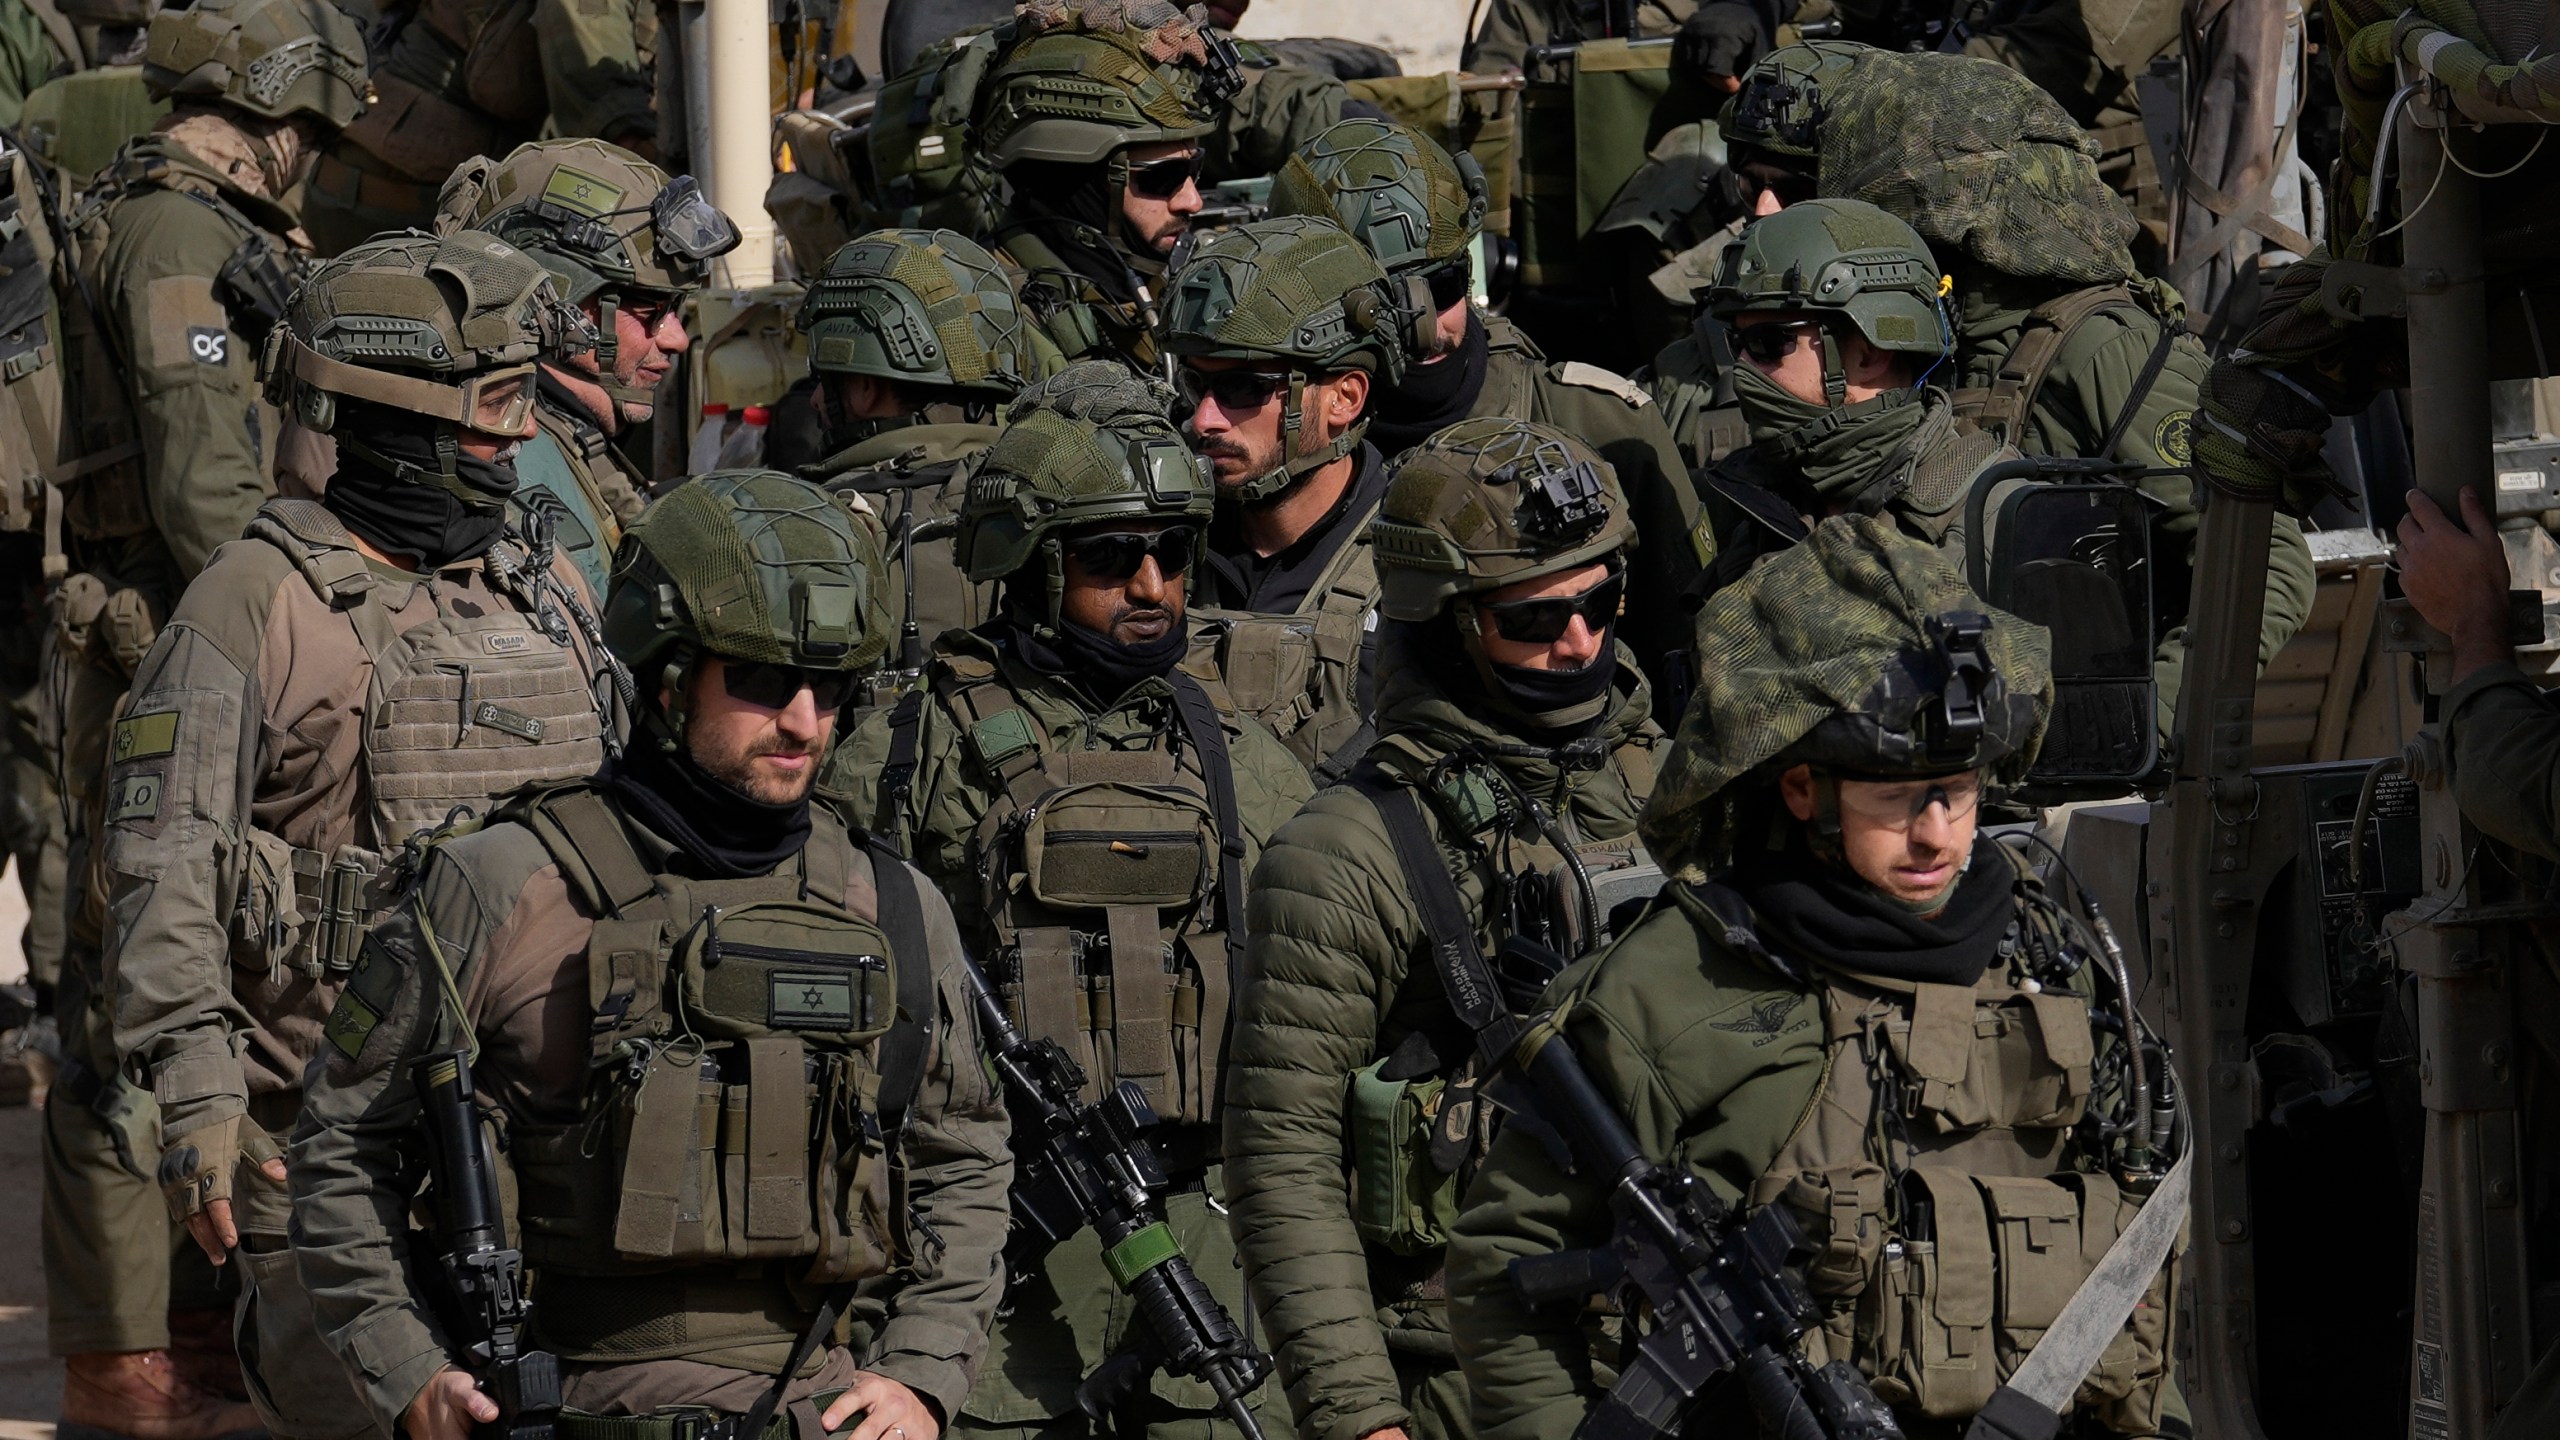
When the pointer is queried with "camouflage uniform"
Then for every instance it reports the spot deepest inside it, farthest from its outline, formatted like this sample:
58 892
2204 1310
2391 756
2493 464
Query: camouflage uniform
1751 1032
1512 27
295 722
987 775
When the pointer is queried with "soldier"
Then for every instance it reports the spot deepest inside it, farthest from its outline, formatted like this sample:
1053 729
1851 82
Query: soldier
352 671
916 340
1072 728
1512 28
1859 1010
748 601
1418 209
1096 136
181 259
455 79
626 244
1286 330
2502 741
1514 748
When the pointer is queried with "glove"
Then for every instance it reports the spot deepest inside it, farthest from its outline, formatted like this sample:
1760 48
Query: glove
196 1168
1720 41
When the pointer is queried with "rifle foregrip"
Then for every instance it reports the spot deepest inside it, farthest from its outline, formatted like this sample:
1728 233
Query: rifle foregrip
1567 1275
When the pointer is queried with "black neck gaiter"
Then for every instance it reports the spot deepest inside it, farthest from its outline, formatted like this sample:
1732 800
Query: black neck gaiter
1431 398
1104 666
1070 207
1550 692
1810 908
403 517
725 832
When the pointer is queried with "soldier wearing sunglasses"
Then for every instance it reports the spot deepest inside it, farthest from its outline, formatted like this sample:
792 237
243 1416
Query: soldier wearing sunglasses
351 671
1515 746
626 244
1418 209
1078 783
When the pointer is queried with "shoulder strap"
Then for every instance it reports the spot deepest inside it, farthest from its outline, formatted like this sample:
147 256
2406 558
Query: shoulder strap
898 776
319 545
2004 405
1209 736
902 1050
593 848
1464 975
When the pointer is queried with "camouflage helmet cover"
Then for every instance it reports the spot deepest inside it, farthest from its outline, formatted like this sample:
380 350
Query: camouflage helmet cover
277 58
1491 502
404 321
1412 203
1089 77
1839 256
597 215
1975 156
1295 288
749 565
1840 651
1089 443
926 307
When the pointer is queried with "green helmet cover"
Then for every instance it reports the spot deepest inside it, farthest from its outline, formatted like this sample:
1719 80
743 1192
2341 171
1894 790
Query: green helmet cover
1858 650
1075 96
1491 502
1090 443
921 307
1841 258
277 58
1784 99
600 217
1413 204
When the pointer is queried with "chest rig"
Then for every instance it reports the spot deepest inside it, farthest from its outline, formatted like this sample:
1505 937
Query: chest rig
1943 1176
1114 884
476 701
753 1050
1299 673
2006 403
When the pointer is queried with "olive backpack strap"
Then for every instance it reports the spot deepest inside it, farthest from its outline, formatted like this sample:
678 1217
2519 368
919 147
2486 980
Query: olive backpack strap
898 776
902 1050
1209 736
1465 977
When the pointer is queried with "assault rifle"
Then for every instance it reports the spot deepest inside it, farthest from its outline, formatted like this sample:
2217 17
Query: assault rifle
474 1282
1725 1290
1091 1164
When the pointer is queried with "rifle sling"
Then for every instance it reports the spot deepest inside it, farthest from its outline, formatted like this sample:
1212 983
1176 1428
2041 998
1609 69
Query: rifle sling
751 1425
1464 975
1200 722
902 1050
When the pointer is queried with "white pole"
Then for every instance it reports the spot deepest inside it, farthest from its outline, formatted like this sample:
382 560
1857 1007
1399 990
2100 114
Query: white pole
741 148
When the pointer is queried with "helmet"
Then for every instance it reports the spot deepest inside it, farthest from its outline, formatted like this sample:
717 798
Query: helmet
1089 443
1301 291
277 58
447 326
1072 96
1414 205
1784 99
1491 502
1859 651
924 307
1841 256
599 217
749 565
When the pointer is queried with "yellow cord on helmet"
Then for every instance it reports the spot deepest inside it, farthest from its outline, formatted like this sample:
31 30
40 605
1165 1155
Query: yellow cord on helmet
1946 286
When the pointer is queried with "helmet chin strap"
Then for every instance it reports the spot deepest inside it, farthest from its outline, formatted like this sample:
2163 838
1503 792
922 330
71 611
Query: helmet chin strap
1294 468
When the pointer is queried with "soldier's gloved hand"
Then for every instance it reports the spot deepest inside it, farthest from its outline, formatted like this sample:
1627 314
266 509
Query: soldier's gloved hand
1719 43
196 1176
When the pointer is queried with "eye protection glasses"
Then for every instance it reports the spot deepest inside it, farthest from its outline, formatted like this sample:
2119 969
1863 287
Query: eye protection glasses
1164 179
500 402
1450 283
1117 555
1543 619
1770 344
1234 390
773 687
1898 805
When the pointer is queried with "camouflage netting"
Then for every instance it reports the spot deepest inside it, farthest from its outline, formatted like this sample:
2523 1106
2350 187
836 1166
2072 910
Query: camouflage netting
766 567
1411 202
1158 29
926 306
1491 502
1091 442
1838 624
1974 155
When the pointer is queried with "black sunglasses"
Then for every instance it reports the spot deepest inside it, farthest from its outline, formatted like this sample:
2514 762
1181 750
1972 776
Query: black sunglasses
1543 619
1770 344
1451 283
774 687
1118 554
1164 179
1234 389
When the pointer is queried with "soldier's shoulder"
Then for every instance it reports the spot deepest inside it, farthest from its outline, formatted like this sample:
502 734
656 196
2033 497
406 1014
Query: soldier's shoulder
1689 966
489 863
230 600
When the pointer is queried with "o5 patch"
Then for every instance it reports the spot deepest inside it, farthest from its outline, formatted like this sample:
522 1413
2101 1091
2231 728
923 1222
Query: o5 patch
2174 438
141 737
137 797
209 344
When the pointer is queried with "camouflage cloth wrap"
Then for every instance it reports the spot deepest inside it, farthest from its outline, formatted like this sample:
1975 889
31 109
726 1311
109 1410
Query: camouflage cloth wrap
1488 503
1089 443
1163 32
1295 288
1412 203
1977 157
926 307
587 210
1839 624
750 565
2263 424
277 58
1840 256
1073 94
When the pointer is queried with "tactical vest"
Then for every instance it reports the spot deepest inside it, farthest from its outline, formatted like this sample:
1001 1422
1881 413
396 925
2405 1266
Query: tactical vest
1299 672
582 523
1417 1127
460 708
452 79
1113 880
2003 407
1938 1178
1076 316
754 1049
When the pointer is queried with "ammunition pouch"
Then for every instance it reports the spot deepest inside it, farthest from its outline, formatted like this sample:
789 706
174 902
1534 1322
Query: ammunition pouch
1410 1141
302 910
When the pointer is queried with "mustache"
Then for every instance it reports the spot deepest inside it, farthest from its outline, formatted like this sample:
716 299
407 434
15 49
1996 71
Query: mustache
1222 449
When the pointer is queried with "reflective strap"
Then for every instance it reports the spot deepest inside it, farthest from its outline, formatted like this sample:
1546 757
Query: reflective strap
662 1141
1141 1003
777 1138
1141 1253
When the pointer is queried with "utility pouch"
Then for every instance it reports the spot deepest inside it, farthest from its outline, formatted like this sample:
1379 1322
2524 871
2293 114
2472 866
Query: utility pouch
1112 843
267 923
785 967
1946 1365
1402 1200
1979 1058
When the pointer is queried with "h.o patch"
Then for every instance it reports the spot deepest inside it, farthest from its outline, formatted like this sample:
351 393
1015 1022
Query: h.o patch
137 797
2174 437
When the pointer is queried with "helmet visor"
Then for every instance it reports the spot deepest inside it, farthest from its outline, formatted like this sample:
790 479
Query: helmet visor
689 226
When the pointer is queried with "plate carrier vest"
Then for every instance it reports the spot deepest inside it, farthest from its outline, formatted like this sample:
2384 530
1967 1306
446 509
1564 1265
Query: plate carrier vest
1299 672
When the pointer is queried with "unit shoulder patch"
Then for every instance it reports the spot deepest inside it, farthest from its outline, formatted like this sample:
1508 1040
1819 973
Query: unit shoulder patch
141 737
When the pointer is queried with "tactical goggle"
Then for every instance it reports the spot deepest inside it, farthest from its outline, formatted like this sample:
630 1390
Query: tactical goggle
1543 619
1234 390
687 225
768 686
1166 178
499 402
1115 556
